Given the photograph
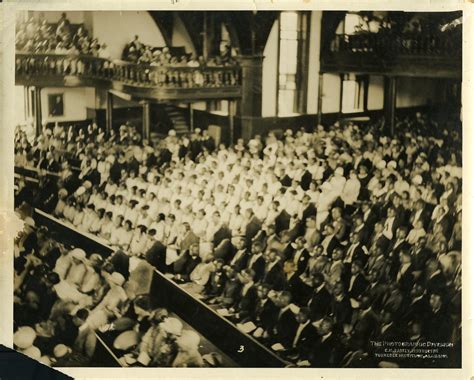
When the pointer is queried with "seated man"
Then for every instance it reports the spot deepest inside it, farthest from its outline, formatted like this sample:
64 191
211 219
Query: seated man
186 263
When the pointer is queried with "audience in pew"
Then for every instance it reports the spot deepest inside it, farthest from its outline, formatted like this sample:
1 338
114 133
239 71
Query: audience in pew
316 243
138 52
37 35
62 298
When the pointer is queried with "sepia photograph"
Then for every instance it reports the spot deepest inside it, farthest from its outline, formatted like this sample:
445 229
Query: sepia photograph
223 189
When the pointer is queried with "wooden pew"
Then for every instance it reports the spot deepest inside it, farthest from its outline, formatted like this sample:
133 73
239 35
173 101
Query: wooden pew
242 348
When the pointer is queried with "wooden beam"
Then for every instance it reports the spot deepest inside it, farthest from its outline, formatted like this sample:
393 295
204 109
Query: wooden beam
37 111
109 111
191 116
146 120
390 102
231 120
341 92
320 97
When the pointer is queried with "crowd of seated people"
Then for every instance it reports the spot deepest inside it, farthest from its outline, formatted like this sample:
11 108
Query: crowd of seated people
62 298
138 52
317 243
36 35
384 32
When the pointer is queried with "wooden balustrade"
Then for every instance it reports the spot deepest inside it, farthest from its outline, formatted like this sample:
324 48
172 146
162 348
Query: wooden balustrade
386 44
146 76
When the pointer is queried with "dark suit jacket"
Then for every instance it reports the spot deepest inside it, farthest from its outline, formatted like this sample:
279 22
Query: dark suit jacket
306 341
286 326
258 266
221 234
185 265
242 261
231 291
319 304
358 287
365 324
282 222
341 311
436 283
376 294
309 211
216 283
370 220
266 313
251 229
406 280
359 254
425 217
333 243
376 263
325 354
274 277
391 334
247 303
416 310
301 293
156 256
419 257
394 256
364 234
225 251
302 261
438 326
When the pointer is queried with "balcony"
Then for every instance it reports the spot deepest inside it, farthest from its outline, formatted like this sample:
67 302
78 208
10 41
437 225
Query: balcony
386 53
139 81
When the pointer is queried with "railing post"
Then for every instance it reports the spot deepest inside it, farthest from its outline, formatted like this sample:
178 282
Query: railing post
320 98
37 110
231 120
390 102
191 116
109 112
146 120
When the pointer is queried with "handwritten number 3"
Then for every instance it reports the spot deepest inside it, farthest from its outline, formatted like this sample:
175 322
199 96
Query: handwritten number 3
241 349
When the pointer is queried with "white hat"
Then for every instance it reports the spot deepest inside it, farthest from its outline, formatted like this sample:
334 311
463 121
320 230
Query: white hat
172 326
81 190
117 278
392 165
339 171
61 350
189 340
62 192
45 360
126 340
417 180
24 337
33 352
87 185
171 132
29 222
78 254
381 164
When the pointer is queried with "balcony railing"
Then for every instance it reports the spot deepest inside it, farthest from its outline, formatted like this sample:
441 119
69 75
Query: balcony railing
141 76
387 44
